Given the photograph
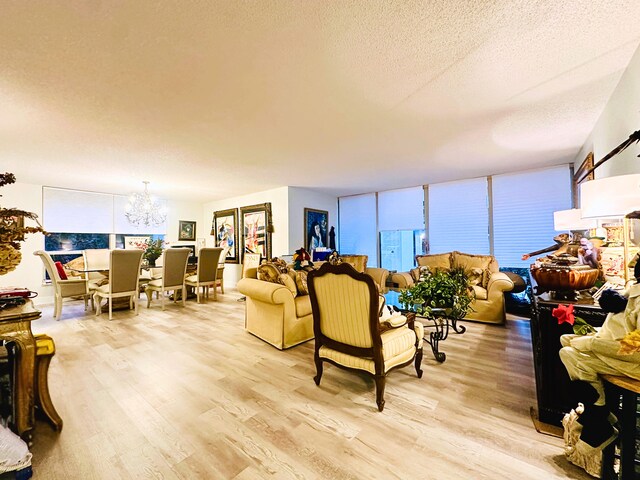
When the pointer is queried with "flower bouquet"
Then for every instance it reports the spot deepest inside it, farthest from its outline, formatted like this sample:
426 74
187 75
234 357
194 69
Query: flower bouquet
152 250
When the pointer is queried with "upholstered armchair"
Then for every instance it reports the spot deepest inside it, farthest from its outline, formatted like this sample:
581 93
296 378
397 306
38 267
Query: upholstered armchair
348 330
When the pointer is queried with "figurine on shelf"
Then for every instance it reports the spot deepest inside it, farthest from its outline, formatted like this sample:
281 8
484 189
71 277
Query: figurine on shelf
562 240
588 254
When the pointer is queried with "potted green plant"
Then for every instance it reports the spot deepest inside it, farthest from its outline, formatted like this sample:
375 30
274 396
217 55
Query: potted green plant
443 289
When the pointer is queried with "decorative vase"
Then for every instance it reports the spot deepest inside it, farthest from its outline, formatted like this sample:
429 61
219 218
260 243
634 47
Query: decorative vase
152 262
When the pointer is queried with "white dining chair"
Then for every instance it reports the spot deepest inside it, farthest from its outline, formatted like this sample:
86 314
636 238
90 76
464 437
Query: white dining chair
124 272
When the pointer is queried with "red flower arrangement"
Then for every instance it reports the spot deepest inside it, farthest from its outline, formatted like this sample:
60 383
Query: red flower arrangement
564 314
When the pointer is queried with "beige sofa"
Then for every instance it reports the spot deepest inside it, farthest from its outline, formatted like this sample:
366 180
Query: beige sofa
489 284
277 315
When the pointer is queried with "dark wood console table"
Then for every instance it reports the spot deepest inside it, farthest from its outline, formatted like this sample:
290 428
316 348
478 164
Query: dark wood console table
15 326
552 379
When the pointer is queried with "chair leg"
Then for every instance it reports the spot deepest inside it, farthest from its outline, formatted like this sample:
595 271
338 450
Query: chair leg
56 305
318 363
110 308
135 303
86 302
98 306
149 294
215 292
419 363
380 380
162 299
222 285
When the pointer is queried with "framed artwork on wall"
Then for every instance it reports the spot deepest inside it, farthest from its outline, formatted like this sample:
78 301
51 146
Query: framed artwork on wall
187 231
584 167
316 229
224 228
256 229
139 242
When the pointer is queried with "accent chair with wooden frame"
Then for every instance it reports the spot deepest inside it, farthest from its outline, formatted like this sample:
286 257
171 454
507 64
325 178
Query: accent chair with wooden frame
348 331
206 274
174 268
124 278
72 287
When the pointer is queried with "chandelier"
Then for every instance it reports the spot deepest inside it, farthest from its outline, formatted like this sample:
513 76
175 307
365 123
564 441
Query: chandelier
144 209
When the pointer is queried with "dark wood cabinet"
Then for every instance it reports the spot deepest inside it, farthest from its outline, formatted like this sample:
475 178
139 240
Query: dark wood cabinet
552 380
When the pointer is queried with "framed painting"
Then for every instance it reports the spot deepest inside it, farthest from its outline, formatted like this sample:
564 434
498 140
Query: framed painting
225 230
316 231
584 167
256 226
187 231
139 243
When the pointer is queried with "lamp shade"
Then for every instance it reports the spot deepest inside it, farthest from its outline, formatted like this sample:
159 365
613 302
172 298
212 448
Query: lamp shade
610 197
572 220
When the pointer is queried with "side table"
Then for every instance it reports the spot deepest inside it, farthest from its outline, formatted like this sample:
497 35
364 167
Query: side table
552 380
440 324
15 326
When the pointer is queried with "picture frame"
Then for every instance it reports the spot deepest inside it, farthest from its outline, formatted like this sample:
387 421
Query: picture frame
187 231
585 166
224 229
256 229
316 229
136 243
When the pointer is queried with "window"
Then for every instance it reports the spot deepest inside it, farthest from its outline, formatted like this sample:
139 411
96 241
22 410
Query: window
357 226
459 217
401 224
523 206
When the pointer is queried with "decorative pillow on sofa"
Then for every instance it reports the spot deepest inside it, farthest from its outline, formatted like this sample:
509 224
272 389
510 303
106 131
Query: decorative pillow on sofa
419 272
268 272
469 262
301 281
288 281
437 261
476 276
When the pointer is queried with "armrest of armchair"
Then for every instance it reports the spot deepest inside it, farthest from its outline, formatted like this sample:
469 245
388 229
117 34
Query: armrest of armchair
498 284
264 291
379 276
401 280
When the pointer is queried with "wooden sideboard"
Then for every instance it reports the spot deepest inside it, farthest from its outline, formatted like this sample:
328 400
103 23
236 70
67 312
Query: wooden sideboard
552 380
15 326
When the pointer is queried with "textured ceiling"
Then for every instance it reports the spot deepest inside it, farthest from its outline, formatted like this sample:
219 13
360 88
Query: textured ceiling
210 99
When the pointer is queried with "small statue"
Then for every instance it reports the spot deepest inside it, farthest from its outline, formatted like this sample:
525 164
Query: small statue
561 246
332 239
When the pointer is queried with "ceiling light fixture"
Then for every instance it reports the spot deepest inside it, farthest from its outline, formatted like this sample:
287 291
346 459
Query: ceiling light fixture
144 209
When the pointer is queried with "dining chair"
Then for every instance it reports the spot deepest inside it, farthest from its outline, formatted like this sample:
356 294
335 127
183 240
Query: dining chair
220 274
96 263
174 268
124 271
63 287
206 274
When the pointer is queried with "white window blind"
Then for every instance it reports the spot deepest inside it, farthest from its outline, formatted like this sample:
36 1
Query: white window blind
122 225
401 209
72 211
523 206
357 226
459 217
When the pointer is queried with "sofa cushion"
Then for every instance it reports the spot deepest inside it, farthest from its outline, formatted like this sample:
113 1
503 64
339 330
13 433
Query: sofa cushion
476 276
469 262
418 272
303 305
438 261
268 272
288 281
480 292
301 281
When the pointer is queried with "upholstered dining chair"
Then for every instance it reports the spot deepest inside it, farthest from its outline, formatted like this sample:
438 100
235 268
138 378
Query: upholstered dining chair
63 287
220 274
96 259
124 272
206 273
174 268
348 330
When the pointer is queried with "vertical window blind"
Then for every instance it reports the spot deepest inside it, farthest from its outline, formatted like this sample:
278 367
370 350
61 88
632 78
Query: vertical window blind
357 226
459 217
523 206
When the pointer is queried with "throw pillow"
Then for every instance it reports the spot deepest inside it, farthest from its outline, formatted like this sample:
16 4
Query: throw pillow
287 281
437 261
476 276
61 272
301 282
419 272
268 272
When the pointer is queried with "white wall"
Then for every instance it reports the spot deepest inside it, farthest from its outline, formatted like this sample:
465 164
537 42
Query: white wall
30 272
187 211
279 198
619 119
301 198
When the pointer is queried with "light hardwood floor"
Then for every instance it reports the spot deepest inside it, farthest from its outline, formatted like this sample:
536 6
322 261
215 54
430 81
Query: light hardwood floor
188 394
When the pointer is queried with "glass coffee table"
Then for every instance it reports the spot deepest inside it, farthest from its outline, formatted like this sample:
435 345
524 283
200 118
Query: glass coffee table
439 327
